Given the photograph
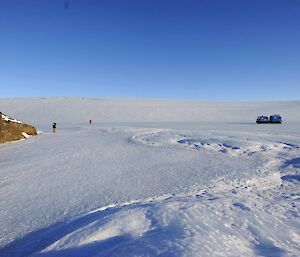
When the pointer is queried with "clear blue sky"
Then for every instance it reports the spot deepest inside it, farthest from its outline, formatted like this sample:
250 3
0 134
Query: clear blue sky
188 49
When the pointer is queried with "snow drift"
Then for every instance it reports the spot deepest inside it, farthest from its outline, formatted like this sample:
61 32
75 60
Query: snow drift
227 187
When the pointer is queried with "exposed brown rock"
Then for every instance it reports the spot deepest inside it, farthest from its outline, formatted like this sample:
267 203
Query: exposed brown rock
30 130
12 131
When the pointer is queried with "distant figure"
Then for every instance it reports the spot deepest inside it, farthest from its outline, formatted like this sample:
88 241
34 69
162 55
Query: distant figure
90 121
54 127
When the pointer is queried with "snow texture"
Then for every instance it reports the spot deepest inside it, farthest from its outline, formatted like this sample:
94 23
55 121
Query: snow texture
9 119
223 187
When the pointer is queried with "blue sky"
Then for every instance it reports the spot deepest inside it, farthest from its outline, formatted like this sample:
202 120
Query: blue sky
166 49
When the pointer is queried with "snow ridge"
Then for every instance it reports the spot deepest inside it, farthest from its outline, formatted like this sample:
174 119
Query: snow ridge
158 178
211 202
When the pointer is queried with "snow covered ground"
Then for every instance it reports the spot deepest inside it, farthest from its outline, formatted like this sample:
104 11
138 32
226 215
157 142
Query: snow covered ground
226 187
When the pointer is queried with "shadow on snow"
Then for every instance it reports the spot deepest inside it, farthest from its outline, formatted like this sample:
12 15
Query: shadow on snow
152 243
295 163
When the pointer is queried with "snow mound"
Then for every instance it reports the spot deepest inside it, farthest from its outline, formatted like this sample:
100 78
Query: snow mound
151 189
231 145
130 223
216 221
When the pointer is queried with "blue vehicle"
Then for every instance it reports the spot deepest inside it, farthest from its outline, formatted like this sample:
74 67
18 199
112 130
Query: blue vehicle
262 119
276 118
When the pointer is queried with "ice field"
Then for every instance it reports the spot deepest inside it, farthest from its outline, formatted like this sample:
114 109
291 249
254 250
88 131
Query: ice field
151 178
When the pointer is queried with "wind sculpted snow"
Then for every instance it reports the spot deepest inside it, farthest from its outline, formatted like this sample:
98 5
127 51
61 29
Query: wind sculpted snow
152 189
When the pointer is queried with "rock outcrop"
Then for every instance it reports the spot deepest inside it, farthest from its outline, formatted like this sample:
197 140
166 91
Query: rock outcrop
13 130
